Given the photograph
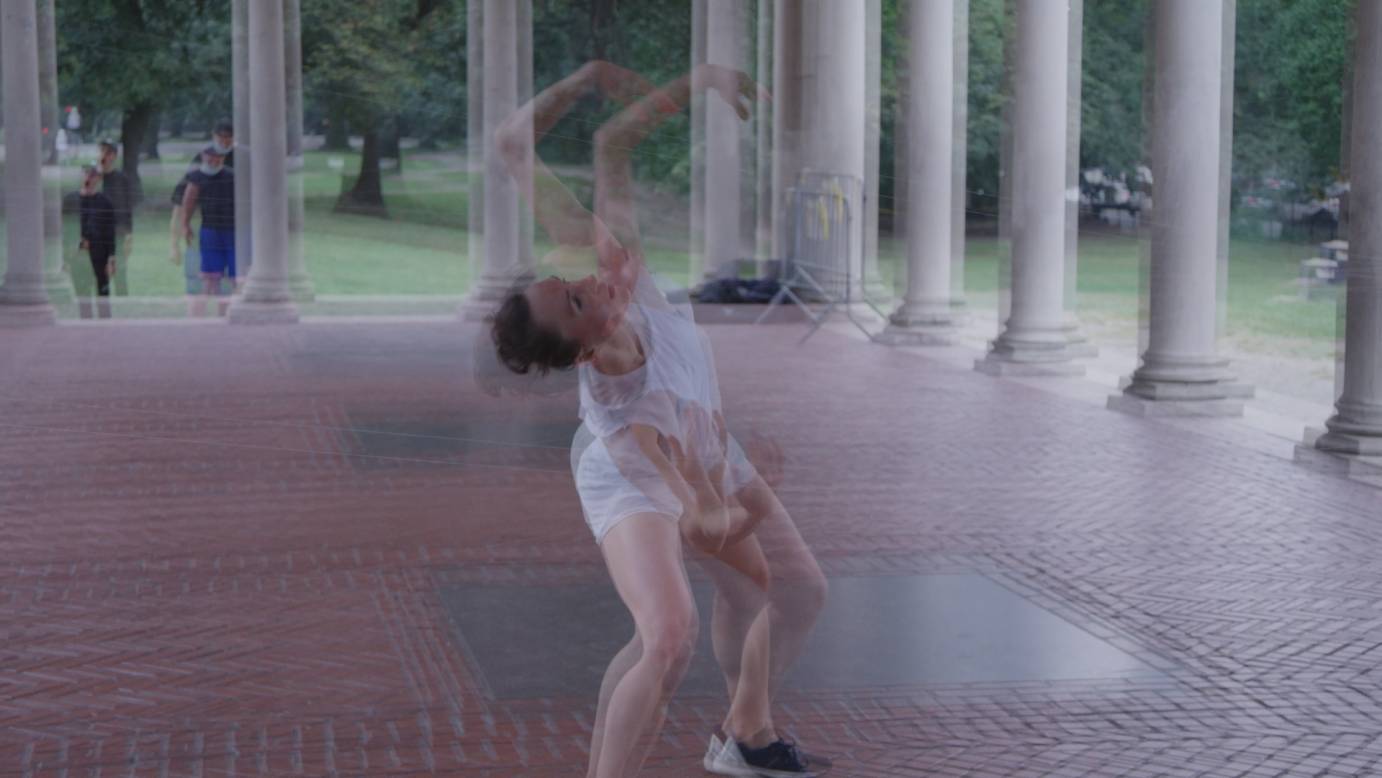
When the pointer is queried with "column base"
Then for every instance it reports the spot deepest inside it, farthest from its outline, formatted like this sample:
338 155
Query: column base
27 315
1311 454
1034 353
255 312
915 335
302 290
1133 405
1076 344
1188 391
924 325
59 286
1347 440
997 366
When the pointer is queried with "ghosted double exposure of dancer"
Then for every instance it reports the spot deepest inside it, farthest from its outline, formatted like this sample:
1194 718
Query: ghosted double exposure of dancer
653 461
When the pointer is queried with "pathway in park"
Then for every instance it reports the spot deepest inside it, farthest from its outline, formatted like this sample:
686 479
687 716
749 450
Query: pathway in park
318 550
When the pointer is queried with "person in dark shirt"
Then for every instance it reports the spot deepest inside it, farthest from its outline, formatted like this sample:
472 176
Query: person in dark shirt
212 187
120 189
98 230
223 139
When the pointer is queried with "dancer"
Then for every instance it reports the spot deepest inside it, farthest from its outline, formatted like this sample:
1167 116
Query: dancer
653 461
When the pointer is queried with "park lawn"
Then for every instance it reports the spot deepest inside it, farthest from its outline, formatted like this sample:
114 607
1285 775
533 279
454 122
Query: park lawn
1263 300
422 249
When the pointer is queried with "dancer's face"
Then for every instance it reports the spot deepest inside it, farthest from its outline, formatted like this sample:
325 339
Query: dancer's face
586 311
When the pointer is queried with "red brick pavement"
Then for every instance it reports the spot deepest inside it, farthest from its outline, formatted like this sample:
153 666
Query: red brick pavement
223 549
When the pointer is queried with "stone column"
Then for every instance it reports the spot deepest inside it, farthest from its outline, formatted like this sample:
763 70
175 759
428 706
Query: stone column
789 18
763 129
902 89
526 223
1033 340
23 297
267 297
726 28
1181 371
959 192
1356 426
873 138
819 73
244 149
298 280
57 281
925 314
1079 344
474 135
502 223
696 265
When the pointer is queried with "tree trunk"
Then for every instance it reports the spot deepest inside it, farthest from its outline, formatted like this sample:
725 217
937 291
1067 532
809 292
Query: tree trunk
337 139
367 195
133 126
601 27
390 147
151 136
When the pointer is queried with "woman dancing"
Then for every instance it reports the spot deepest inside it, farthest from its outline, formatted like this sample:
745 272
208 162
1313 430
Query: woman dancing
653 461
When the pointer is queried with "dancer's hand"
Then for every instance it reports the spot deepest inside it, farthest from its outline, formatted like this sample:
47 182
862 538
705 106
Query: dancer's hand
706 521
735 87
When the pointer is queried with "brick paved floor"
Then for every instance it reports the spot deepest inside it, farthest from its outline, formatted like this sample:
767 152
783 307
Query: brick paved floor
223 551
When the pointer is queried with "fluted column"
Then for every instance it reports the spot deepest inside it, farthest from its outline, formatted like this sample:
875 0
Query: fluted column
1181 371
959 154
244 146
925 313
1356 426
475 132
57 281
502 222
1079 344
819 104
23 297
267 297
763 128
726 45
1033 340
298 280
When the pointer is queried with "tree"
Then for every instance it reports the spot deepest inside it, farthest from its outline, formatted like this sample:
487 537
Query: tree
358 57
1291 60
136 56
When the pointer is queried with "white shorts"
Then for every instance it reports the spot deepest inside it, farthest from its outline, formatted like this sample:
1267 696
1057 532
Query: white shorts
608 497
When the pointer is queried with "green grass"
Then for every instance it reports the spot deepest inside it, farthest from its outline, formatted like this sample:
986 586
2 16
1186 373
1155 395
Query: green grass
422 249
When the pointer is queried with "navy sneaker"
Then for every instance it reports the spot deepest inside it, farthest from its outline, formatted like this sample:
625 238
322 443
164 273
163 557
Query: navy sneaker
782 759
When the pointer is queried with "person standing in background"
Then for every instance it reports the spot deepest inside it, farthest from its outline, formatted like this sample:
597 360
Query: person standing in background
212 186
98 241
120 189
223 140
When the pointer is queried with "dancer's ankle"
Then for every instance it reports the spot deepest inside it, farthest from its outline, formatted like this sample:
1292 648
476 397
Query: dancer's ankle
761 735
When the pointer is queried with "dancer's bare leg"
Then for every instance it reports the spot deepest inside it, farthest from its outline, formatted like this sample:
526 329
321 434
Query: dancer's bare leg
741 637
623 661
797 590
643 553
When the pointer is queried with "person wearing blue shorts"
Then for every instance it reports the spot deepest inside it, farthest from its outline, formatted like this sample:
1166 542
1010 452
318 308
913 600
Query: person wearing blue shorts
212 186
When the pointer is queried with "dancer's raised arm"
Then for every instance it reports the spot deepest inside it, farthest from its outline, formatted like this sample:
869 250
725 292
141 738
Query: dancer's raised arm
618 137
556 209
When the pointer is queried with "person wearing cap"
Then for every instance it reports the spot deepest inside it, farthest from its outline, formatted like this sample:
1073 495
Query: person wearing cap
98 241
223 139
117 186
212 187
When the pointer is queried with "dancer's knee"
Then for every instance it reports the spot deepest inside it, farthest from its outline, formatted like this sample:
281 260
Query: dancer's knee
800 590
669 643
